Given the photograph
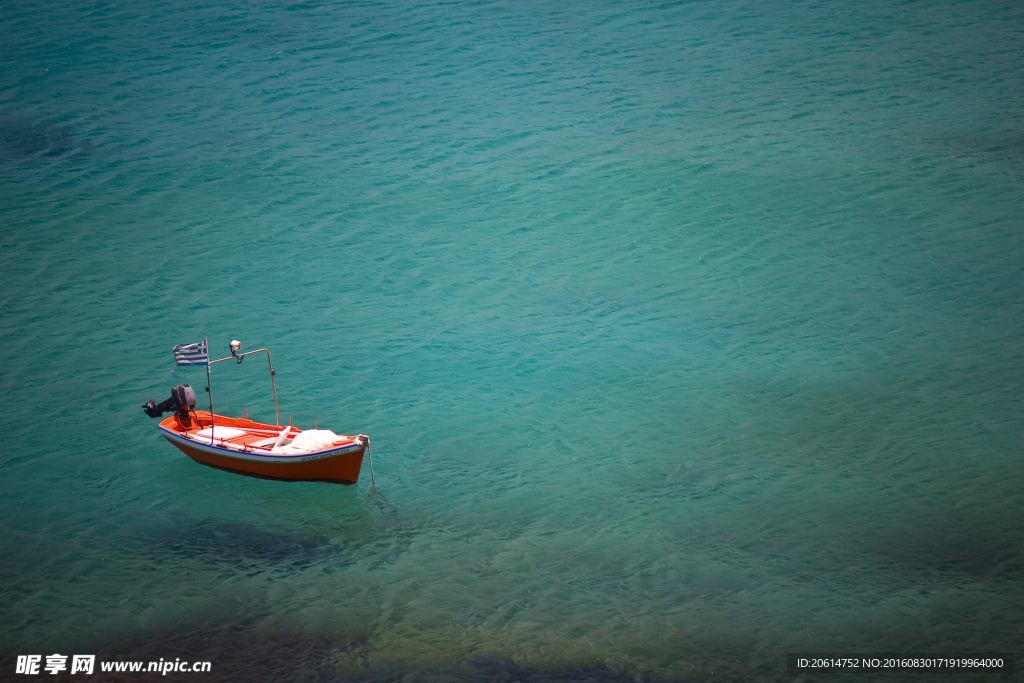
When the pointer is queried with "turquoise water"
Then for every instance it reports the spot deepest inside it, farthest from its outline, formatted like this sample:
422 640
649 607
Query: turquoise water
688 334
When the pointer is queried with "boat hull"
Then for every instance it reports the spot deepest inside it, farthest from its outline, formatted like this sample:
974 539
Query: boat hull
340 465
341 469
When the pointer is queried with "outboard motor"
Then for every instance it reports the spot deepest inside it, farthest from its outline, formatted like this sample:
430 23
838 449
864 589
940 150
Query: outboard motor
181 401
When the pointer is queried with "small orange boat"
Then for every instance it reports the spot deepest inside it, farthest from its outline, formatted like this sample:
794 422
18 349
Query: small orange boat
244 446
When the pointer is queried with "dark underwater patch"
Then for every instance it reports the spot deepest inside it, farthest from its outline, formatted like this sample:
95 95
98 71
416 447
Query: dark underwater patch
217 541
23 139
245 649
329 542
955 551
1002 144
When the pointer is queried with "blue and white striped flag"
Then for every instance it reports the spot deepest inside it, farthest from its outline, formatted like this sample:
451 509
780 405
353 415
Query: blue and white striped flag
192 354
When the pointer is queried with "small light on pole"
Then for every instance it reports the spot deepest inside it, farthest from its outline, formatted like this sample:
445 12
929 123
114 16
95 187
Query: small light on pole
235 345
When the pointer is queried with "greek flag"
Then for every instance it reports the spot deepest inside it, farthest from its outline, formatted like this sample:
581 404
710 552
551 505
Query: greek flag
192 354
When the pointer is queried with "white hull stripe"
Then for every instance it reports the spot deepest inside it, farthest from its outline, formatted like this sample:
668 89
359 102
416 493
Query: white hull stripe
278 459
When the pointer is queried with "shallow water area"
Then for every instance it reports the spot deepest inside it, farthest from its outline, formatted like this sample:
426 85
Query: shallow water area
687 333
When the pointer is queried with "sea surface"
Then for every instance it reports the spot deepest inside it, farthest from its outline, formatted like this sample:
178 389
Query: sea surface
689 334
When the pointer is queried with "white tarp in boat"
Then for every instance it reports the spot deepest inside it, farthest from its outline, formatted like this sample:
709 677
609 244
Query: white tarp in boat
309 441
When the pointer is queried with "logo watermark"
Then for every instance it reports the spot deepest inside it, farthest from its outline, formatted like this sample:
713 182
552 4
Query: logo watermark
33 665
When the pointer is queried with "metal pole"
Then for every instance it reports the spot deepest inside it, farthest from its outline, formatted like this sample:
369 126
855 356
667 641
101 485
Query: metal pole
209 390
273 385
